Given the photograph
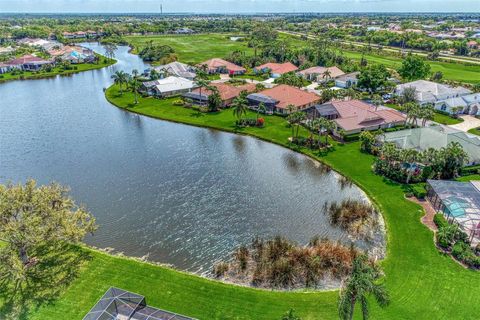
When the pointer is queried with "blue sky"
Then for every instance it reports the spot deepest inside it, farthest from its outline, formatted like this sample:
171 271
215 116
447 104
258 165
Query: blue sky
240 6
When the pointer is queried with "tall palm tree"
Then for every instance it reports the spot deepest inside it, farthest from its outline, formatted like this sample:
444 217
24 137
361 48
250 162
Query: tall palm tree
409 156
240 105
134 84
361 283
327 75
120 78
427 114
202 84
261 108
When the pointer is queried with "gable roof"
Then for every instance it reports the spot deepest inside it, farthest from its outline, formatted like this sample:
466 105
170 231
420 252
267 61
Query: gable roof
278 68
27 59
286 95
216 63
334 71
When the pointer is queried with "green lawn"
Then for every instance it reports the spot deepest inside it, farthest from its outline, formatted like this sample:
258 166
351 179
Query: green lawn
475 131
438 117
423 283
193 49
469 177
103 62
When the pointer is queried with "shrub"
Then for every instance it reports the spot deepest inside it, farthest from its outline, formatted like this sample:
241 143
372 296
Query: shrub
446 235
440 221
466 171
418 190
242 255
260 122
464 253
220 269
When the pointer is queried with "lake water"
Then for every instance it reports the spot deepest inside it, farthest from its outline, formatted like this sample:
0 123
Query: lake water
184 195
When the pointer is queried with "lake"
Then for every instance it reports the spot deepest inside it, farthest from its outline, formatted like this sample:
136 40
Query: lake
186 196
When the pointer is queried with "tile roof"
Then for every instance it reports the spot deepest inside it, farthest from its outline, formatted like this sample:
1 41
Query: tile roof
278 68
227 91
356 114
286 95
334 71
216 63
26 59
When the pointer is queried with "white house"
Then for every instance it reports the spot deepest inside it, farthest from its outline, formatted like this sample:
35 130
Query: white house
347 80
171 86
177 69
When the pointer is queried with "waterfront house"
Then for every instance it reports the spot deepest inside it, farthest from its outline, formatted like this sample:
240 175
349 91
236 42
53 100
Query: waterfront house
177 69
226 91
348 80
73 54
217 65
321 74
354 116
279 98
275 70
27 63
171 86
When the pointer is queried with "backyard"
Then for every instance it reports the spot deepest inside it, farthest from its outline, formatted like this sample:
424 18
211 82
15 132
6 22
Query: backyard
423 283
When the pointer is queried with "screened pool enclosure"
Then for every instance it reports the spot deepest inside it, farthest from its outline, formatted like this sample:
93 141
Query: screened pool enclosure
118 304
460 203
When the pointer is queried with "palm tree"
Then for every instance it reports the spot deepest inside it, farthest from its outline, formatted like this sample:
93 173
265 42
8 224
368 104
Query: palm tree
120 78
377 101
201 83
214 100
240 105
327 75
295 119
427 114
409 156
361 283
134 84
261 108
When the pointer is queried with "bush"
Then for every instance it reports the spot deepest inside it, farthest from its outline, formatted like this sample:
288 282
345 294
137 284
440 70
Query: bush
418 190
464 253
220 269
440 221
351 137
466 171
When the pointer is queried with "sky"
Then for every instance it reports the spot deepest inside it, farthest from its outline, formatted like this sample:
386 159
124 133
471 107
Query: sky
238 6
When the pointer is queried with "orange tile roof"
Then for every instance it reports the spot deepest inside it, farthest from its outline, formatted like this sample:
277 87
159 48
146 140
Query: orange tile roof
227 91
216 63
279 68
286 95
356 114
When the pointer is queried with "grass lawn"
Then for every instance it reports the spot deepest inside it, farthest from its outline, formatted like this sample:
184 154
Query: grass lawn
475 131
438 117
423 283
469 177
193 49
103 62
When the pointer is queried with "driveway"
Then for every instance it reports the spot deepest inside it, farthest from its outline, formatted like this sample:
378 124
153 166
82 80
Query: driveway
469 122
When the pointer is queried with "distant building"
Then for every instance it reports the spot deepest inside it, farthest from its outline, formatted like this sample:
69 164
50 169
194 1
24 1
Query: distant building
74 54
279 98
25 63
276 69
217 65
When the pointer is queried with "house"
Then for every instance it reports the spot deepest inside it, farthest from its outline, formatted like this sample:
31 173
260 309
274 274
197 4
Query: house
28 63
472 44
436 137
276 69
217 65
354 116
279 98
443 97
74 54
348 80
4 68
177 69
226 91
170 86
320 74
184 31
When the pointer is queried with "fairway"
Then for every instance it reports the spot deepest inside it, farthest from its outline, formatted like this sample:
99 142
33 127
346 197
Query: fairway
193 49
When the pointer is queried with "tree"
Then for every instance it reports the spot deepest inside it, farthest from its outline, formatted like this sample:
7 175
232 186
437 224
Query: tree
454 158
427 113
410 157
363 281
414 67
202 83
373 77
214 100
290 315
367 140
291 79
120 78
36 223
295 119
437 76
409 94
134 84
110 49
261 108
240 105
377 101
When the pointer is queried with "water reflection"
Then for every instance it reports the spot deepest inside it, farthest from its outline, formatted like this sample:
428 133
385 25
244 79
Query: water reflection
184 195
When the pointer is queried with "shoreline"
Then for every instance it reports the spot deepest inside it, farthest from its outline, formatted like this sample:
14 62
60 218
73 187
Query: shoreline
378 250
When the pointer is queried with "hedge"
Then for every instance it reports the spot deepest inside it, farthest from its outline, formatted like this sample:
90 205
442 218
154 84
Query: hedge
466 171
